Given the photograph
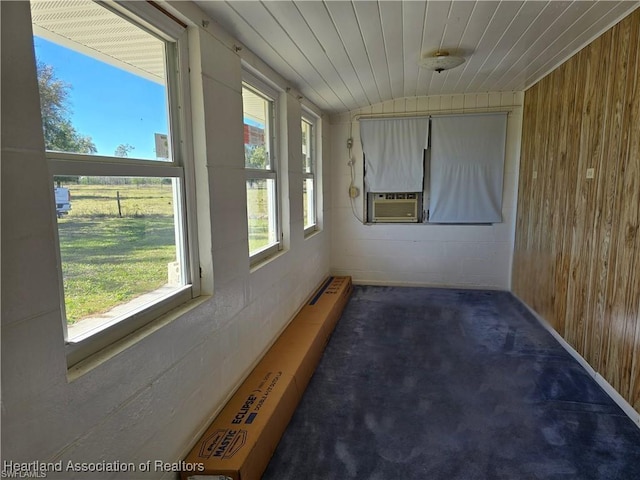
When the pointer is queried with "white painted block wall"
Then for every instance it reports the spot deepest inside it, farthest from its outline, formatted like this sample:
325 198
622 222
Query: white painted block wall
477 256
150 401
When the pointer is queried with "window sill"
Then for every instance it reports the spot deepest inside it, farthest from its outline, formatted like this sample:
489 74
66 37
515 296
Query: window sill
433 224
258 264
312 231
86 365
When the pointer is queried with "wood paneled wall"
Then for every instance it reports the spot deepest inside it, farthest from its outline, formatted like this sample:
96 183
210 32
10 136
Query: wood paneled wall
577 251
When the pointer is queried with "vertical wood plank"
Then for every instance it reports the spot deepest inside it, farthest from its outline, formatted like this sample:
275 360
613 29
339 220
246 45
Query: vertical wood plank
624 286
569 127
634 153
605 217
594 227
543 169
521 249
590 155
577 245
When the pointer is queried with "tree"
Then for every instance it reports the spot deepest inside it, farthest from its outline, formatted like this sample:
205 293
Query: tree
257 155
59 133
123 150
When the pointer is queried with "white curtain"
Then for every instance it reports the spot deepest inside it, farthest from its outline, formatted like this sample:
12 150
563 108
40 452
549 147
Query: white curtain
467 163
393 151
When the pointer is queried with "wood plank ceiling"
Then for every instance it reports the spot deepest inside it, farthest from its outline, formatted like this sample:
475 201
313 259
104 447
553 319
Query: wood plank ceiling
347 54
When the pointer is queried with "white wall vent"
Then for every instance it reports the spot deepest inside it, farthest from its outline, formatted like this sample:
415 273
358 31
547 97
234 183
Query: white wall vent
395 207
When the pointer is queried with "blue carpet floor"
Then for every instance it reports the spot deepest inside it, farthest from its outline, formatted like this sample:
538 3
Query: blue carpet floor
435 384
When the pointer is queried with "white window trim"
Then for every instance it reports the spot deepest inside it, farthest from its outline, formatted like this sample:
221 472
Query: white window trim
262 89
181 167
313 120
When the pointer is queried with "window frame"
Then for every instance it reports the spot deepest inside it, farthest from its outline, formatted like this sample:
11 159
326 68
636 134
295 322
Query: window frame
180 168
271 95
313 121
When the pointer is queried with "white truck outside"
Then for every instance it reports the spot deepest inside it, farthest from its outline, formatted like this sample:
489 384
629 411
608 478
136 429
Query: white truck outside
63 201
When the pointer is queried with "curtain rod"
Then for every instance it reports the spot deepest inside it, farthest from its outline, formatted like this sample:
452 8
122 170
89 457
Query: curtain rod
433 113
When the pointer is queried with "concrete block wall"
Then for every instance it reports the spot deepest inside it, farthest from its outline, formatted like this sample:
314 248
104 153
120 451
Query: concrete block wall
150 400
476 256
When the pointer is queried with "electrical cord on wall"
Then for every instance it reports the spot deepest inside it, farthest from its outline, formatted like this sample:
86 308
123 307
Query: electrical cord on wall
353 190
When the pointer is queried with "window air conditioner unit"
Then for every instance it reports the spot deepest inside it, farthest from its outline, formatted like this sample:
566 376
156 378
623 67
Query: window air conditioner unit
395 207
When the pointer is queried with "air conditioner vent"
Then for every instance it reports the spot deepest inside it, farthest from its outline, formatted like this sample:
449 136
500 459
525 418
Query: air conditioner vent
395 207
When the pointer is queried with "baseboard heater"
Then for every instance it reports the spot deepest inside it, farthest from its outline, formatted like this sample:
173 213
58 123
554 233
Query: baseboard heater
241 440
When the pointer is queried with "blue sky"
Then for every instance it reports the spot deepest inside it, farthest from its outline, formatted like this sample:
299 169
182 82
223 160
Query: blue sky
110 105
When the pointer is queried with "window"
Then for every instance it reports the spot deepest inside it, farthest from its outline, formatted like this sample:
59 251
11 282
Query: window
109 101
309 195
452 175
263 207
394 167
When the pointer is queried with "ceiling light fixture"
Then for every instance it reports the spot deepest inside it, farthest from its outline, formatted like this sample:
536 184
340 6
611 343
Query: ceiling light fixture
440 61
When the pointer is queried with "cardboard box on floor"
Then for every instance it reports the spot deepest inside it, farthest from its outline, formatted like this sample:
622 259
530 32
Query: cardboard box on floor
328 303
241 440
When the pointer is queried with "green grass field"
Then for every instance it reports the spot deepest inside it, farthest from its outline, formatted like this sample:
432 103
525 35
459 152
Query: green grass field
258 218
108 260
